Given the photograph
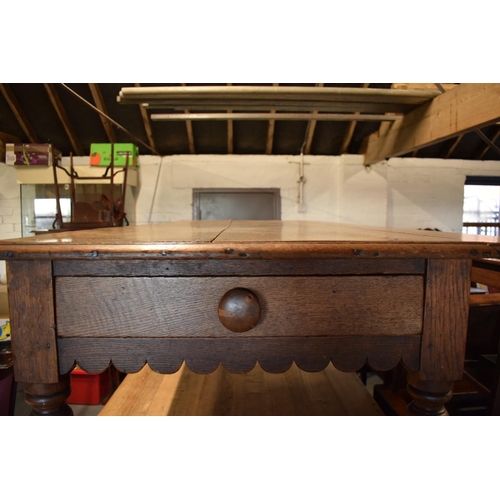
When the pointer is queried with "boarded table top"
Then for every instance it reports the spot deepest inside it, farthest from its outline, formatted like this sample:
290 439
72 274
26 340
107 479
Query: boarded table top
250 239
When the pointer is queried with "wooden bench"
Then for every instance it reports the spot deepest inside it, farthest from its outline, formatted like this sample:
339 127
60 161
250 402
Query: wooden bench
295 392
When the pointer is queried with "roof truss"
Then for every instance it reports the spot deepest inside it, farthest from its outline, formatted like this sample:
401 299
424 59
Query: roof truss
101 106
18 112
63 117
464 108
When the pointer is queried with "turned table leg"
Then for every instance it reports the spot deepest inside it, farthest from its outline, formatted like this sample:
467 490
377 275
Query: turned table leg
428 397
446 308
49 399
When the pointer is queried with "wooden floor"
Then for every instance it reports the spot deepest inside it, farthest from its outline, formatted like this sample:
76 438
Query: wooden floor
329 392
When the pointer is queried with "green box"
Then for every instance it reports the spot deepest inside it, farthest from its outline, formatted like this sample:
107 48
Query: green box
100 155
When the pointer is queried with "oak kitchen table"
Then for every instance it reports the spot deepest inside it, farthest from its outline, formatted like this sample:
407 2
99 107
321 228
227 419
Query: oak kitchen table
237 293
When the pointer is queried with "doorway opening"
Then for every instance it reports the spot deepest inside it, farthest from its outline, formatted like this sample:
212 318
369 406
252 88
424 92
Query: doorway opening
236 204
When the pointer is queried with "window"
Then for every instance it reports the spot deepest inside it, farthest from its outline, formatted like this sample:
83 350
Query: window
46 210
481 206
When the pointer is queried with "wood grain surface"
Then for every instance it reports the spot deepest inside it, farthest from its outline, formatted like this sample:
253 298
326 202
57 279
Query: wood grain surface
31 303
239 355
445 319
190 267
249 240
188 307
486 272
328 392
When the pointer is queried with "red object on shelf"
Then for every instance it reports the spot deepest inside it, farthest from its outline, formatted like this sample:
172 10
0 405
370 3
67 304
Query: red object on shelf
89 388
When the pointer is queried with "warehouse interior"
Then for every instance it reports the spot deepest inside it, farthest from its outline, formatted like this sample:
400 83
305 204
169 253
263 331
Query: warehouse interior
299 168
394 155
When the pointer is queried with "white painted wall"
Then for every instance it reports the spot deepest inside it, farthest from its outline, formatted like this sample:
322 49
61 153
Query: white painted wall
429 192
178 175
402 192
10 209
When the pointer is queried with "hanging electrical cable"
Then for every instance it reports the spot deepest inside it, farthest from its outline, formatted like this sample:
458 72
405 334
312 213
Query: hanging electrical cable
109 118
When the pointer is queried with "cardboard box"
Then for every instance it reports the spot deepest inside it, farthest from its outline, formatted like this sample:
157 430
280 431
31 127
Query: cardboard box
32 154
100 155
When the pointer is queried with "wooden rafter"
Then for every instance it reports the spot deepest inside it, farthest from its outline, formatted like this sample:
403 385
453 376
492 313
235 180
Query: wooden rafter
422 86
453 146
326 117
464 108
489 143
350 130
63 117
278 98
189 131
481 134
270 135
311 127
230 132
100 104
190 134
147 123
442 87
486 148
270 130
18 112
114 122
9 138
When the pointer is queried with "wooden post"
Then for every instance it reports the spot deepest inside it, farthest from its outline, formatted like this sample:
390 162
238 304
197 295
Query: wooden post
31 304
447 292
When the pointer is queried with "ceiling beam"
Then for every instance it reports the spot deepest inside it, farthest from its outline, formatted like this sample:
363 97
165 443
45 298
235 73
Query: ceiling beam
350 130
147 123
422 86
285 107
190 135
230 136
270 134
481 134
18 112
476 130
326 117
181 95
311 127
277 98
63 117
189 131
460 110
230 132
453 146
270 130
8 138
114 122
486 148
101 106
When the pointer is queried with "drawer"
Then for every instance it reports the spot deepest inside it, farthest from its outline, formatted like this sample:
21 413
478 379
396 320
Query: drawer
268 306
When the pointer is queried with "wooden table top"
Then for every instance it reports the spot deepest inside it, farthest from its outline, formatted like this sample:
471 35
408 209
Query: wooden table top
250 239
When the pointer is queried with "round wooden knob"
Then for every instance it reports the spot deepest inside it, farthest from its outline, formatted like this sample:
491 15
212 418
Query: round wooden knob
239 310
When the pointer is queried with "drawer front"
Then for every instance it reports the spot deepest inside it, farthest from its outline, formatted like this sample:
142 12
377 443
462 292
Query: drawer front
286 306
